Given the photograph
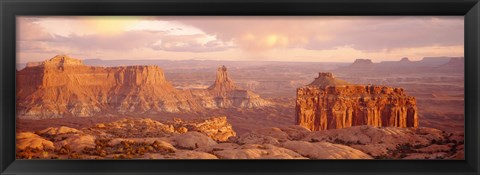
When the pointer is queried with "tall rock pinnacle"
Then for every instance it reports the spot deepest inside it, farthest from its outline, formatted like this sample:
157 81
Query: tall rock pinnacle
223 82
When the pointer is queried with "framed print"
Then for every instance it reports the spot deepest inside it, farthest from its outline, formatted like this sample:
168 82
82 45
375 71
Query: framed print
239 87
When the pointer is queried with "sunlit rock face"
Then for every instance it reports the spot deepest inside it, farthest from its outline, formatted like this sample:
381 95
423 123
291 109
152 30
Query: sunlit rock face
216 128
214 138
64 86
328 103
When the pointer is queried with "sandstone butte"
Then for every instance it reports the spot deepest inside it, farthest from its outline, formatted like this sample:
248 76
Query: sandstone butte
64 86
330 103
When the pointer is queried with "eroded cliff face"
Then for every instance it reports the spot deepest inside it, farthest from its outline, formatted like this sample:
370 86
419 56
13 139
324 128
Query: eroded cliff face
332 106
63 86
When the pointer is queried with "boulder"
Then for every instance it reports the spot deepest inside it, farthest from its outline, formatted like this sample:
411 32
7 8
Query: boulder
324 150
52 131
192 140
28 139
257 151
77 142
180 154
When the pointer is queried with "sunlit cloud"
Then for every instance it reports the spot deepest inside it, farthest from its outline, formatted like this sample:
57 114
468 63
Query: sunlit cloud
319 38
170 27
191 43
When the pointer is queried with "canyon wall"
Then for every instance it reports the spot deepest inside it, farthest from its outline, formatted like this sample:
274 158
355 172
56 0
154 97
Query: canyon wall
63 86
329 103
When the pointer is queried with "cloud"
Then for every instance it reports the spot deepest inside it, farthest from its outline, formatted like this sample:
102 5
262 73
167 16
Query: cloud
38 35
302 38
28 29
323 33
124 41
191 43
35 46
142 39
389 34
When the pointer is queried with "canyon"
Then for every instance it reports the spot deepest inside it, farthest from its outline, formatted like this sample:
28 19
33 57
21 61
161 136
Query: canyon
160 109
63 86
330 103
436 84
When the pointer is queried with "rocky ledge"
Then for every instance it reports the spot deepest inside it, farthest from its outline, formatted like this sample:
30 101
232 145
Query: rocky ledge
214 139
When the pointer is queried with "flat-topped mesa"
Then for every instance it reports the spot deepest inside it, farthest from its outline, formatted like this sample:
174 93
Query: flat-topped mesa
360 65
59 71
363 61
63 86
456 61
331 106
405 59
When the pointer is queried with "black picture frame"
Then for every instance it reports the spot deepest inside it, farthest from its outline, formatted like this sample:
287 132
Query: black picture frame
9 9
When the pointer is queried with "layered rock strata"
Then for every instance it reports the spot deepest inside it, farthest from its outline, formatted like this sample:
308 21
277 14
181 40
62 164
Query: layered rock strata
149 139
63 86
216 128
328 103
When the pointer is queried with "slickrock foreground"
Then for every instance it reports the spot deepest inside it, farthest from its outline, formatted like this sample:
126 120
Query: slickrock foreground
330 103
64 87
214 139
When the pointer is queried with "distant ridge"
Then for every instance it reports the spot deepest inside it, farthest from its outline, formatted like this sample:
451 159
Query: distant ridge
365 67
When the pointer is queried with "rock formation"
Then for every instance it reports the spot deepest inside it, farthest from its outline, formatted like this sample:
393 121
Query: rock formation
227 94
217 127
455 65
327 79
63 86
31 140
223 83
362 62
395 142
405 60
365 67
149 139
328 103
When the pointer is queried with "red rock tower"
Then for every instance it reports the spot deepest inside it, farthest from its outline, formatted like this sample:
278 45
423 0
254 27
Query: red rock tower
329 103
223 84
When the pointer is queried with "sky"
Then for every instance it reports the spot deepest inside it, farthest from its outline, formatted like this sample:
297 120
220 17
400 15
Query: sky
281 38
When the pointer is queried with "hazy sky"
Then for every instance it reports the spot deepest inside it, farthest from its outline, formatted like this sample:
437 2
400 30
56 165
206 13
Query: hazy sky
332 39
